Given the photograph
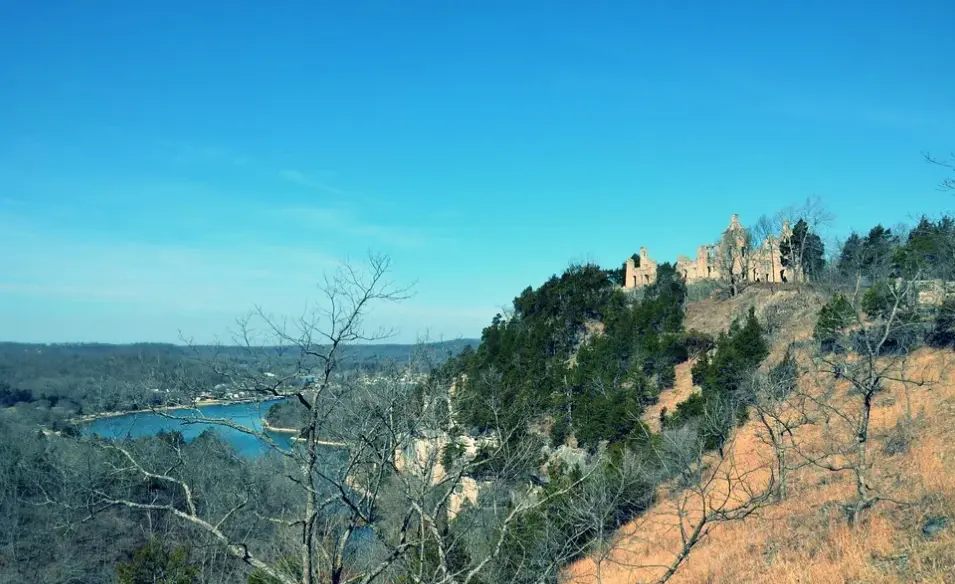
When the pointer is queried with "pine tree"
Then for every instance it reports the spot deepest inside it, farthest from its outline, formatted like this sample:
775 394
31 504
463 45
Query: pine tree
153 563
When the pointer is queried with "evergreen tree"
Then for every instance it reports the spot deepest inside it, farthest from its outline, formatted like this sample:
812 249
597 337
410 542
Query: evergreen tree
929 250
943 334
153 563
834 319
878 251
721 402
594 386
803 249
850 259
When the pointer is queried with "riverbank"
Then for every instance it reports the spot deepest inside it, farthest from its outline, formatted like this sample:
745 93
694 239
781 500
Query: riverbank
193 406
277 429
321 442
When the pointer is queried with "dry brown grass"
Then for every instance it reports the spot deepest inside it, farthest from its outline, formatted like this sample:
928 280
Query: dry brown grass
805 538
682 388
795 308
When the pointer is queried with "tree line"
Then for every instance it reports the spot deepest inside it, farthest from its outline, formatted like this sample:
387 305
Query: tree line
49 383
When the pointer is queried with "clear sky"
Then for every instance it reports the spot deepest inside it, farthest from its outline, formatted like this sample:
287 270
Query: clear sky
166 165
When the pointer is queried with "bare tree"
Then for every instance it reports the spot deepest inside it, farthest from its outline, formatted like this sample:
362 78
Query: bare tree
866 343
947 184
724 492
338 493
706 491
770 394
368 494
734 252
623 485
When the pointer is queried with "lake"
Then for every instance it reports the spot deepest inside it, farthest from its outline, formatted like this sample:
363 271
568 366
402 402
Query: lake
247 414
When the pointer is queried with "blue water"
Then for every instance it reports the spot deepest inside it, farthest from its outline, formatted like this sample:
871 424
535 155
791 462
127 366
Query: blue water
248 415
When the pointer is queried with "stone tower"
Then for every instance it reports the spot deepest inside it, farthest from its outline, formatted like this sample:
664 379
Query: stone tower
760 262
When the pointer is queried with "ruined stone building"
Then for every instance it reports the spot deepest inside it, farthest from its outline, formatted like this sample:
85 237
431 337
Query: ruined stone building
731 258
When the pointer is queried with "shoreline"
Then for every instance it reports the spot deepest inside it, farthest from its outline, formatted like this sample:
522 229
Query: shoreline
86 419
276 429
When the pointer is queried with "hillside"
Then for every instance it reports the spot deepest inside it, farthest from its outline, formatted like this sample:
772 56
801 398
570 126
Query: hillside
787 314
804 536
757 406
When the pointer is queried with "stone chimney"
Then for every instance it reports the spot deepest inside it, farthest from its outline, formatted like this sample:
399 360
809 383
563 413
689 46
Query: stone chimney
643 253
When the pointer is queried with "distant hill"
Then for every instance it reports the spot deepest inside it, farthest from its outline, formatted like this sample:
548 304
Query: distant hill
106 377
359 353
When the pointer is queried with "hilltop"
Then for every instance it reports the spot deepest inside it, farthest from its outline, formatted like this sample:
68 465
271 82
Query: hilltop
672 411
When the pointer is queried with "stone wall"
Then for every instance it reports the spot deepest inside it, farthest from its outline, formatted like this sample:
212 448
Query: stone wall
704 267
638 275
730 254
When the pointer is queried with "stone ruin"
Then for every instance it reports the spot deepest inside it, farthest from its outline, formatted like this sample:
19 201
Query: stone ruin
727 260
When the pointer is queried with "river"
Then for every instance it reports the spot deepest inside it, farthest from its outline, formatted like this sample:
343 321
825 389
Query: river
247 414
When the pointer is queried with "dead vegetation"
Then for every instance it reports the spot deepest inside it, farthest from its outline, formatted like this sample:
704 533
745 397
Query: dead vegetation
805 535
789 309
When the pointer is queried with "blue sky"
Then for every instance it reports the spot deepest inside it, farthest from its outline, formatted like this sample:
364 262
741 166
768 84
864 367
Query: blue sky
164 166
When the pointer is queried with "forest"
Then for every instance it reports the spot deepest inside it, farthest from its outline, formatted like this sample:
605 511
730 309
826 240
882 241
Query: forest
52 382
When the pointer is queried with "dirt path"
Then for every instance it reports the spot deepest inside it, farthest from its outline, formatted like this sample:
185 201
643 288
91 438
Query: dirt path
682 388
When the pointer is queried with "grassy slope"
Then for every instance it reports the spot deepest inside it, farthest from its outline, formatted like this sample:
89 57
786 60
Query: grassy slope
805 538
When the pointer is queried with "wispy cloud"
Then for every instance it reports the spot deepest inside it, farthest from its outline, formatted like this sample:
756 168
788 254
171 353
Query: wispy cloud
109 254
299 178
183 153
295 176
158 276
67 291
81 289
822 102
346 222
312 180
856 111
444 214
196 154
